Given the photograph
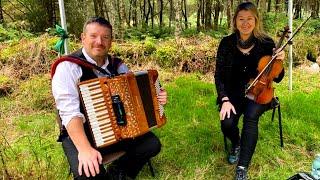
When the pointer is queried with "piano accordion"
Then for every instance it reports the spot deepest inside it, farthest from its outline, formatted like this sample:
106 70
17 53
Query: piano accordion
122 107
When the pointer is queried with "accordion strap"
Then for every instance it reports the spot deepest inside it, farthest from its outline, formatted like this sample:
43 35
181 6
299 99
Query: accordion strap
79 61
83 63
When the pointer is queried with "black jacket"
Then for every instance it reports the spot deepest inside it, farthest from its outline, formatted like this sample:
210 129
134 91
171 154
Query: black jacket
234 69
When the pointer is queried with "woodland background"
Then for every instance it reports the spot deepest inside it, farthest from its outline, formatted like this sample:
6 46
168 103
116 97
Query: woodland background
179 38
38 15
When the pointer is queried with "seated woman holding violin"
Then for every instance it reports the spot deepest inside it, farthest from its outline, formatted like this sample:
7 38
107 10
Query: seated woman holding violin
237 64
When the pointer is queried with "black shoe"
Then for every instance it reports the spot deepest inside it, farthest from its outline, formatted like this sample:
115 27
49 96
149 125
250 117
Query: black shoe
233 156
241 173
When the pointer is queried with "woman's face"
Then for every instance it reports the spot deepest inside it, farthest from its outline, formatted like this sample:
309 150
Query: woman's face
245 23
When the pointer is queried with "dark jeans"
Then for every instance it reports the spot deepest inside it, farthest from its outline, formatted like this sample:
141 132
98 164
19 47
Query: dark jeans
138 152
249 136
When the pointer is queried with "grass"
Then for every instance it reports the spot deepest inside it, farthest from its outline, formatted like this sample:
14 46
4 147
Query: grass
192 143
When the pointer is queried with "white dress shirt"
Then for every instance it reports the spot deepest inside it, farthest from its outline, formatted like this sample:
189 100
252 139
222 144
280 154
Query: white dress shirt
65 89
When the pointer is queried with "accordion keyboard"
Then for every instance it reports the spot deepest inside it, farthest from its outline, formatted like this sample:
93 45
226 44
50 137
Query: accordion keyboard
158 88
97 112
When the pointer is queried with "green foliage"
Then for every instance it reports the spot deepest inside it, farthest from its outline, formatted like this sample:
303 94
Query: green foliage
166 55
199 50
161 32
35 55
6 85
142 33
35 93
306 39
273 22
150 46
34 153
4 79
190 32
312 27
10 34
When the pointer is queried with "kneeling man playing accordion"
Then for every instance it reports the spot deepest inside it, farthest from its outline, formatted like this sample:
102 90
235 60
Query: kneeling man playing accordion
90 89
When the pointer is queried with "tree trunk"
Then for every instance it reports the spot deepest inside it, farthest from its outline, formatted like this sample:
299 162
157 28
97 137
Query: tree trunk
203 12
297 9
53 17
199 15
1 14
208 17
229 12
277 5
148 13
135 13
317 9
184 13
221 14
178 28
171 16
101 8
96 8
314 9
48 13
269 5
118 21
107 10
257 3
160 4
152 13
217 9
130 12
262 9
123 13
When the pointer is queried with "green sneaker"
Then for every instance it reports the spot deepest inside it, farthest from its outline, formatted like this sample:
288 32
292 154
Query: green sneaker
233 156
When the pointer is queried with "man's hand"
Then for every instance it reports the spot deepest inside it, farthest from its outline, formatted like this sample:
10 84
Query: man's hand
89 161
162 96
89 158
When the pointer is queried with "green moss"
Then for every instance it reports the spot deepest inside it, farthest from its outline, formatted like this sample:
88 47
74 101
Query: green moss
4 79
35 93
150 46
166 55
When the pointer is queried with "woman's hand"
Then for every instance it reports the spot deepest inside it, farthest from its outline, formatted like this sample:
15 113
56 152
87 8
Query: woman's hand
226 109
280 55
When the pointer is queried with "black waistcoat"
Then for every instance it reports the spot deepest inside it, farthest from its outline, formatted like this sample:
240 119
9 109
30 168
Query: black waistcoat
88 74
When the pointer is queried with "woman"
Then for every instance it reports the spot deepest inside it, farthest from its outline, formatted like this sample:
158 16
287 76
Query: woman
237 60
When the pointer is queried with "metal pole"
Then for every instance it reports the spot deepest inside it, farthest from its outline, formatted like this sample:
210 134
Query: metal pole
63 24
290 15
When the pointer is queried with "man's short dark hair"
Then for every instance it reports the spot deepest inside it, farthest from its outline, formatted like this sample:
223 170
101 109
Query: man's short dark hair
100 20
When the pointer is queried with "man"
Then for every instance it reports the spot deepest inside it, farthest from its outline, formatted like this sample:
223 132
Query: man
84 160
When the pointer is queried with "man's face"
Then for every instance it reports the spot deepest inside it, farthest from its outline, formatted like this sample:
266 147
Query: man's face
96 40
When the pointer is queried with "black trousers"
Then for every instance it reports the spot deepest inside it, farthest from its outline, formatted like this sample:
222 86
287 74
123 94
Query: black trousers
251 112
138 152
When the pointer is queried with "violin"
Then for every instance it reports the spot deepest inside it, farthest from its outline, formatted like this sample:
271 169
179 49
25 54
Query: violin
269 68
260 89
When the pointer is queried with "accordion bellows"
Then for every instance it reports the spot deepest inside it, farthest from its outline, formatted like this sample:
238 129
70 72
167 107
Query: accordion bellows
135 95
